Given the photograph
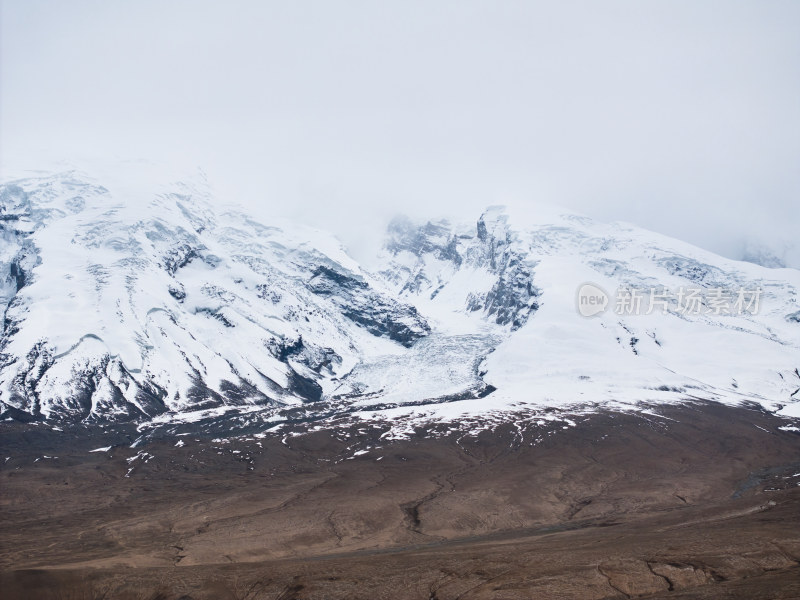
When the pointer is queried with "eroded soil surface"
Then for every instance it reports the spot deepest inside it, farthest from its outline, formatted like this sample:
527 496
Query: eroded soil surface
702 501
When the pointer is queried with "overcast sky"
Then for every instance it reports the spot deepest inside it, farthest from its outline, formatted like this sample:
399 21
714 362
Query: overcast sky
678 116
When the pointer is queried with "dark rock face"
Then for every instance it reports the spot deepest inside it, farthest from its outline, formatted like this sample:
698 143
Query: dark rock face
78 403
305 387
215 314
17 273
694 270
381 316
317 359
180 257
306 362
327 282
177 292
511 300
23 391
15 210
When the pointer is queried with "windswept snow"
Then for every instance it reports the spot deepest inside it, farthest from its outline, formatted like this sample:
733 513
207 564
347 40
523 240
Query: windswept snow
131 300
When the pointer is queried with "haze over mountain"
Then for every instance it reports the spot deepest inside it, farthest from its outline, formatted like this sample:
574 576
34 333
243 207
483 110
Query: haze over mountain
136 299
680 117
461 300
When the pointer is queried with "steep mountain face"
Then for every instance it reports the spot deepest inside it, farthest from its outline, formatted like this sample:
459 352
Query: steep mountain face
737 340
118 312
424 260
125 301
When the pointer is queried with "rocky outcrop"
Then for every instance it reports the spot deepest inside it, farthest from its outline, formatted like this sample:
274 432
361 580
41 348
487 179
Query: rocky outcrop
491 246
379 315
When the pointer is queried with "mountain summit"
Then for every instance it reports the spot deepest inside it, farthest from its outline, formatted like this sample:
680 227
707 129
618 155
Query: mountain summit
149 304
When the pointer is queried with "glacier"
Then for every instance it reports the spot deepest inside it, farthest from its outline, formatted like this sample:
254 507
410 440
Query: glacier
151 302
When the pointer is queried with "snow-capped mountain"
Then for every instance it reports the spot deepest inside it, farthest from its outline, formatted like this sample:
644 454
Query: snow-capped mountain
125 301
524 273
119 309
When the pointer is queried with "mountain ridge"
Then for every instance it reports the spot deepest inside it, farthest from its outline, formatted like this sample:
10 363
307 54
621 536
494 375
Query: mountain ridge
149 304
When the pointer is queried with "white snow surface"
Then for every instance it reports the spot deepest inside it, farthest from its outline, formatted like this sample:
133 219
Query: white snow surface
144 300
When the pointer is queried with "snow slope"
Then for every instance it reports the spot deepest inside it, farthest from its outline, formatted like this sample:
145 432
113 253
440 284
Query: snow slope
552 357
132 300
139 301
